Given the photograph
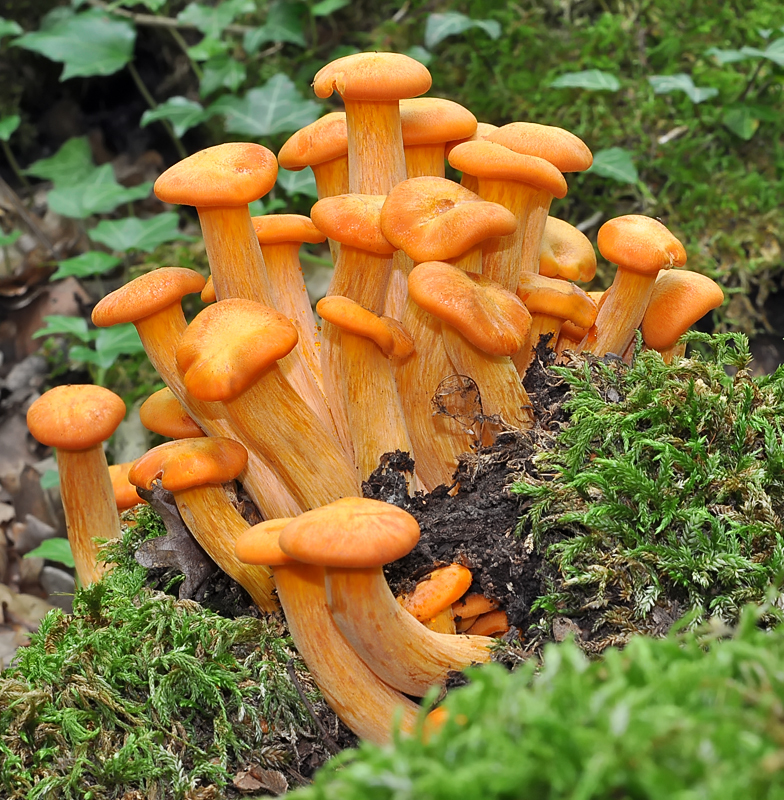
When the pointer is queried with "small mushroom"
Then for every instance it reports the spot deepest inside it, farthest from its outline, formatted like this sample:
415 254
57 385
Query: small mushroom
566 252
125 495
162 413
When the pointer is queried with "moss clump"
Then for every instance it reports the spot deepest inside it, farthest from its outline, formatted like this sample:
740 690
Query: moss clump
681 717
140 691
664 489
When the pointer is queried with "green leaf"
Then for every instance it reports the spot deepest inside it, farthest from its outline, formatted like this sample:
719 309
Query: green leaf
119 340
775 52
9 238
222 72
213 20
420 54
327 7
595 80
50 479
681 82
8 125
91 43
56 549
57 324
726 56
741 121
86 265
450 23
615 163
276 107
153 5
284 24
9 28
183 114
208 48
298 182
133 233
258 208
98 194
70 165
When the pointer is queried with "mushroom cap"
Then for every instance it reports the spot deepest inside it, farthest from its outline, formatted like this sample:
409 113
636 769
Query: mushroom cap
556 298
352 532
259 544
353 220
483 130
208 292
640 244
433 218
231 174
163 413
321 141
566 252
433 120
679 299
493 161
147 295
283 228
75 416
124 491
392 338
373 76
187 463
560 147
229 345
492 319
437 591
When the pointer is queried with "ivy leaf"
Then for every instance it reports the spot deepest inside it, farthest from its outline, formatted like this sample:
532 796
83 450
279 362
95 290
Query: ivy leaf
50 479
594 80
726 56
133 233
258 208
9 238
98 194
183 114
208 48
681 82
439 26
213 20
56 549
119 340
57 324
327 7
90 43
615 163
298 182
284 24
419 53
153 5
71 164
276 107
86 265
222 72
775 52
9 28
741 121
8 125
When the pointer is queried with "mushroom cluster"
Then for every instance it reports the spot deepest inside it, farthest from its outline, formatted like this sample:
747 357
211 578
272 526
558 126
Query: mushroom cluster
437 287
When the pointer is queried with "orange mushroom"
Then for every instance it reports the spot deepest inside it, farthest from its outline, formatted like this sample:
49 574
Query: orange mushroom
125 495
162 413
437 591
566 252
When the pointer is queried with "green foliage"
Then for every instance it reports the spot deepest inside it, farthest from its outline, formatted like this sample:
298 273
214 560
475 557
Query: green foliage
139 691
666 484
683 717
56 549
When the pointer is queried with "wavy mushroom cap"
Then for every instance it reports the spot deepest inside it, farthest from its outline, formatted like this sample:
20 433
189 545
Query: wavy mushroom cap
124 491
389 335
231 174
433 218
188 463
566 252
640 244
493 161
488 316
229 345
560 147
556 298
75 416
433 120
353 220
351 532
163 413
679 299
147 295
373 76
286 228
483 130
260 544
321 141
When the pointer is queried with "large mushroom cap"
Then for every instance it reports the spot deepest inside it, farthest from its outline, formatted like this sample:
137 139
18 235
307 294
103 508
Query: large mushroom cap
124 491
556 298
679 299
434 218
147 295
373 76
566 252
284 228
231 174
229 345
560 147
640 244
491 318
433 120
260 544
187 463
353 220
493 161
163 413
351 532
321 141
75 416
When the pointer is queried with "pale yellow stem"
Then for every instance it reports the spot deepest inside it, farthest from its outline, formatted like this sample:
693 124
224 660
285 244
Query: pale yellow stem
376 162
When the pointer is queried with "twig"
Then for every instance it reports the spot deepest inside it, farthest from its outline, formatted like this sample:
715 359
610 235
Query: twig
154 21
330 742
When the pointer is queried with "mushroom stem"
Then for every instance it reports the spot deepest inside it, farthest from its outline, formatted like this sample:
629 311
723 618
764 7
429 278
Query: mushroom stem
376 161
